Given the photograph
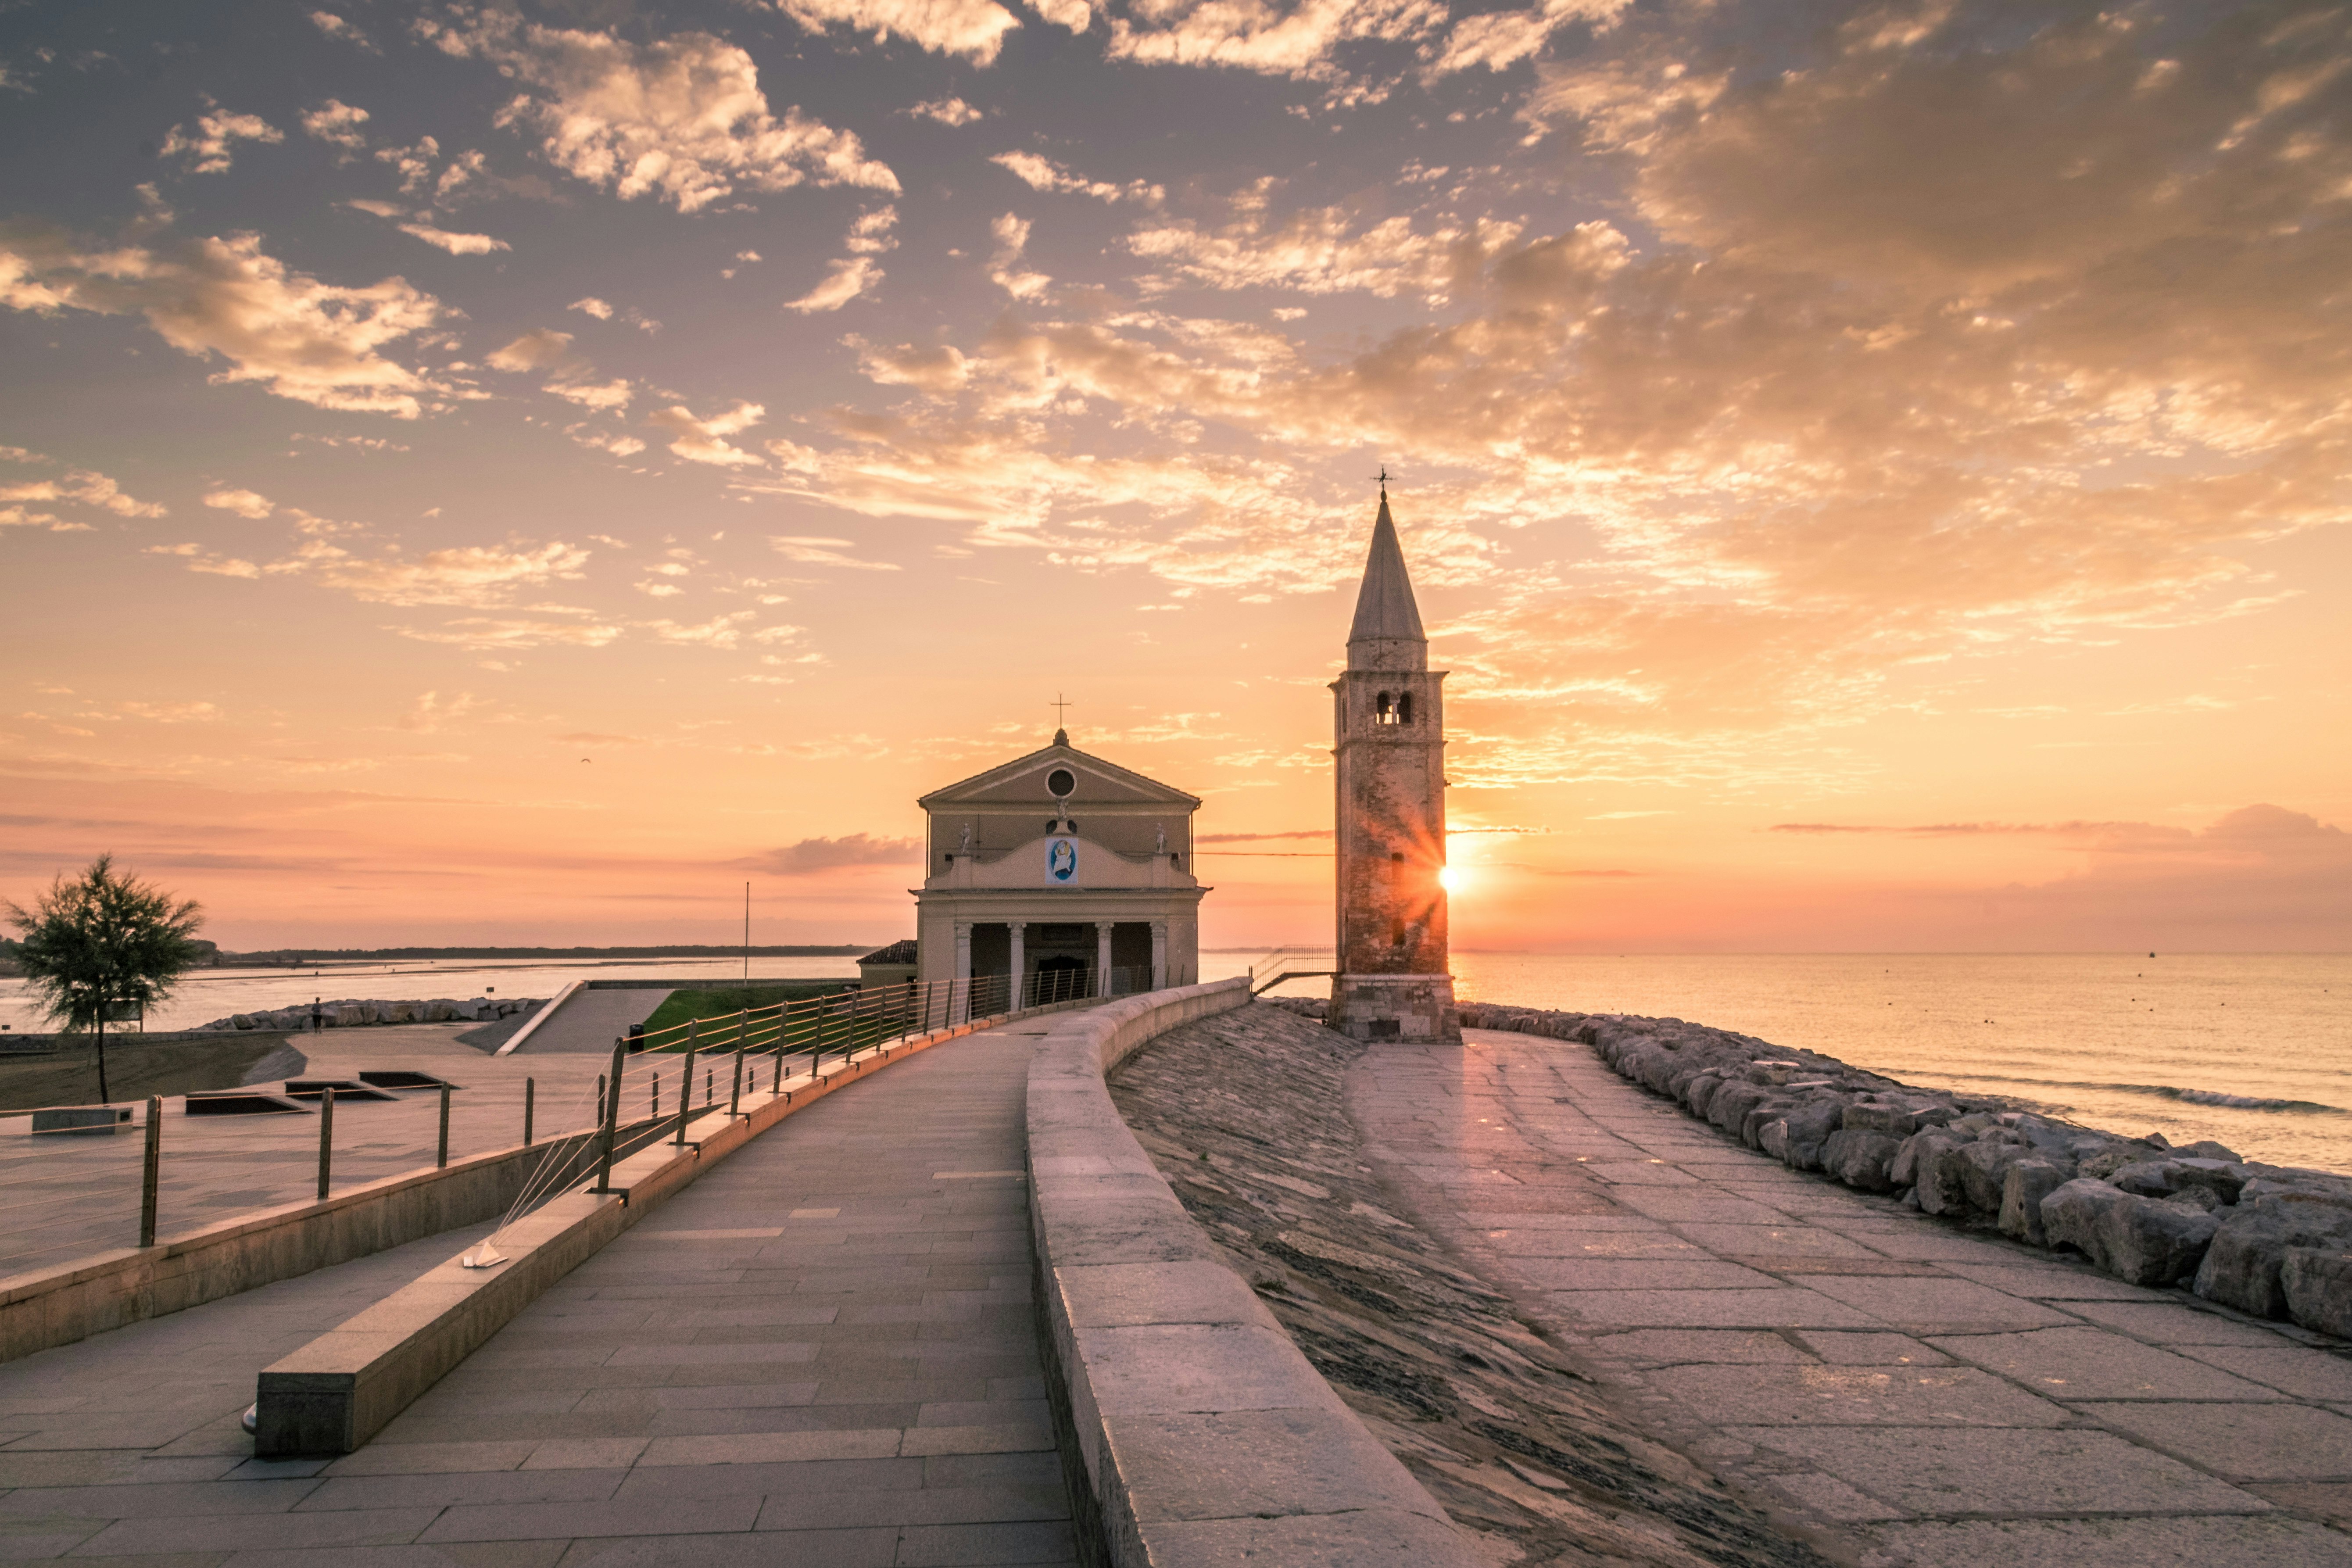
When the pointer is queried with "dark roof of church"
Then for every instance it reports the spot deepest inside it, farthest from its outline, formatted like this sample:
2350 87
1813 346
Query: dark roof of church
1384 606
902 951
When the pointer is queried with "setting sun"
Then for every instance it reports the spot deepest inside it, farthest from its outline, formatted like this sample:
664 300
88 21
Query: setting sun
1454 879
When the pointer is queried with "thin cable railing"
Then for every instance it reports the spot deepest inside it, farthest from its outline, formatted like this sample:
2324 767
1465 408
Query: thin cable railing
658 1084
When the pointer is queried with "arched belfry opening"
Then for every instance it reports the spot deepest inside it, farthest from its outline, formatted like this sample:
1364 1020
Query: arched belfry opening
1394 981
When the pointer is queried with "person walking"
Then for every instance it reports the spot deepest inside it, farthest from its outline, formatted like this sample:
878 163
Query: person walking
318 1015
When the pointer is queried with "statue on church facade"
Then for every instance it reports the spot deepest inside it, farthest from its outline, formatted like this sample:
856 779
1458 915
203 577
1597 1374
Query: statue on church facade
1389 830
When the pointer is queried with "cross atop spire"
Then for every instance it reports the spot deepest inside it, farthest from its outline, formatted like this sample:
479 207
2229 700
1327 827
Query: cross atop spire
1387 632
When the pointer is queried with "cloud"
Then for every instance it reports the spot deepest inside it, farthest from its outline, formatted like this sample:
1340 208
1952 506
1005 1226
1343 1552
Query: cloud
454 244
598 738
335 27
704 440
473 575
337 123
300 338
1299 41
593 306
81 487
489 633
213 146
1497 40
1044 174
1012 232
811 855
1260 837
974 29
602 396
811 551
1323 250
951 112
534 349
681 119
433 713
245 503
170 712
846 279
938 370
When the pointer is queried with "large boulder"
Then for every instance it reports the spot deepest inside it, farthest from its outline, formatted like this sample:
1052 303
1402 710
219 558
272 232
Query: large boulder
2144 1241
2243 1268
1943 1185
1984 1168
1732 1102
1861 1158
2318 1283
2023 1187
1809 1126
1702 1090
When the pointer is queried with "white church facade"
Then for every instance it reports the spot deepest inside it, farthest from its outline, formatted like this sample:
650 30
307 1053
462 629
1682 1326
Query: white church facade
1071 872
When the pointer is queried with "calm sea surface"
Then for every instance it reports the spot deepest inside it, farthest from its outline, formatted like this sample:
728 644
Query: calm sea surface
2253 1050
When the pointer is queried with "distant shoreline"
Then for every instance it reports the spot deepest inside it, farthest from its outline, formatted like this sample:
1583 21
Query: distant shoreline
310 956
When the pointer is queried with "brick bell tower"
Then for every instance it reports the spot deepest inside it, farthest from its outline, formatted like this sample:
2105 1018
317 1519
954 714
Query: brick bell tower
1390 827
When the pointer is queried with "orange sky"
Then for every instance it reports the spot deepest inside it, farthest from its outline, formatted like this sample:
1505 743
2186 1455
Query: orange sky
1876 473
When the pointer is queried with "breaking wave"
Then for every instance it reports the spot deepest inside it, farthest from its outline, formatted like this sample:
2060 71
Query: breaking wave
2198 1097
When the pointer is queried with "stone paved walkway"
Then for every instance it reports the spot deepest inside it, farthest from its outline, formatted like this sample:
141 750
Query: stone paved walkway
823 1352
1928 1395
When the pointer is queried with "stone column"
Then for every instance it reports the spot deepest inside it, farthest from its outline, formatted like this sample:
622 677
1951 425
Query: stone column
959 995
1019 930
1158 955
1102 958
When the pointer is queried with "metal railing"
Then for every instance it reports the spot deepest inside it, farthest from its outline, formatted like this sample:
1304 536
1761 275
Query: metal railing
656 1084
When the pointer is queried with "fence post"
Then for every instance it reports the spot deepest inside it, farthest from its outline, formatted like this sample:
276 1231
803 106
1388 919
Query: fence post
686 1084
530 1104
780 1064
150 1171
610 1104
441 1154
326 1138
735 1095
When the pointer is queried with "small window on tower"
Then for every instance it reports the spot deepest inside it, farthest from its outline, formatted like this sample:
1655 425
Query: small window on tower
1396 857
1384 709
1396 934
1404 708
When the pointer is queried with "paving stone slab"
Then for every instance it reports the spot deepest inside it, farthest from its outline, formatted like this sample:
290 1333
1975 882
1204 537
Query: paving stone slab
2249 1442
1675 1347
1960 1471
2080 1363
1927 1305
2116 1543
2291 1369
1856 1397
1787 1308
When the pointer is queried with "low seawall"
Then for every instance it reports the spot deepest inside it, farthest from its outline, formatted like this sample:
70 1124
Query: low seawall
2271 1241
1202 1434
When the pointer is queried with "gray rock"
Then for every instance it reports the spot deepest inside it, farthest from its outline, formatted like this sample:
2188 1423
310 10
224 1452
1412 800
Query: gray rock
1772 1138
1702 1090
2206 1148
1984 1171
1866 1116
1808 1128
1751 1126
1731 1104
1942 1188
2144 1241
2242 1269
2025 1184
2146 1178
2318 1283
1861 1158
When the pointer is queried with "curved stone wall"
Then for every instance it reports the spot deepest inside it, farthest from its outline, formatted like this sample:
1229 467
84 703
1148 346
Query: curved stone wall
1202 1434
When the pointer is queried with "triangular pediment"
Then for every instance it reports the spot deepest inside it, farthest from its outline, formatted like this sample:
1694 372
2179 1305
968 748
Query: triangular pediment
1021 783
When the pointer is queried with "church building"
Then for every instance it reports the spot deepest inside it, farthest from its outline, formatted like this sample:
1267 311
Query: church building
1060 865
1394 980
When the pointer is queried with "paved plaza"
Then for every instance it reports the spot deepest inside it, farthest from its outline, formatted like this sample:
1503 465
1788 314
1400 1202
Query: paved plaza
822 1353
70 1196
1929 1395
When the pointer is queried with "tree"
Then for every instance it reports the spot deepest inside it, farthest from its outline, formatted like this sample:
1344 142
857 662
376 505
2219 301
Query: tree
101 942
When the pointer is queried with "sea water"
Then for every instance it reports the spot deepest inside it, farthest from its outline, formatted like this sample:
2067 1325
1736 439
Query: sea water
2255 1051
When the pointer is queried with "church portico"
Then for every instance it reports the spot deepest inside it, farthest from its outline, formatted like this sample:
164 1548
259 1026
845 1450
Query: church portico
1072 873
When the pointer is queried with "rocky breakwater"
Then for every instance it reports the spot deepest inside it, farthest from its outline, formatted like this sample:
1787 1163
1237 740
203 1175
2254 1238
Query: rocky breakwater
350 1014
2271 1241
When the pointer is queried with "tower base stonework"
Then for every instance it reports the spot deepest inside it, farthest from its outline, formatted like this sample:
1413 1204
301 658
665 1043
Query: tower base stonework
1394 1007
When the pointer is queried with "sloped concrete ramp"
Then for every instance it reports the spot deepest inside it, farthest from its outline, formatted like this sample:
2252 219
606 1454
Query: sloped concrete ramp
587 1022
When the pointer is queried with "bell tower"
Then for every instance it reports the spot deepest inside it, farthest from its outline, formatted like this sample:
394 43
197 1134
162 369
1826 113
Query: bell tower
1389 825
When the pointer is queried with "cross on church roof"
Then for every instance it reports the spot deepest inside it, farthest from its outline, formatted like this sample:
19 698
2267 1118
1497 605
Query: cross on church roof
1384 481
1058 705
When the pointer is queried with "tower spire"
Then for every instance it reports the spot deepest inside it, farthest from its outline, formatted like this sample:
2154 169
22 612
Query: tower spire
1387 632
